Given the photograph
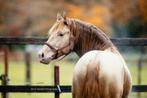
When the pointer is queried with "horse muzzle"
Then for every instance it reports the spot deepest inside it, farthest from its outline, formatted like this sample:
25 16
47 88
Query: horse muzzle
46 59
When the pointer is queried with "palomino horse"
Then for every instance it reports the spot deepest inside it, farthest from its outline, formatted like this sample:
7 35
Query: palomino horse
101 71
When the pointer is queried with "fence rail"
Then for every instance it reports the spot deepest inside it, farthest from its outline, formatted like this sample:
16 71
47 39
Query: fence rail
53 89
4 89
36 40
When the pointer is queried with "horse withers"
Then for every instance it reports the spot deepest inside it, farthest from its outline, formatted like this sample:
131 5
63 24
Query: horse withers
101 72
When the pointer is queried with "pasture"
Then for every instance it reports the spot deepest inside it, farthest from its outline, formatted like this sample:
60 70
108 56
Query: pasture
43 75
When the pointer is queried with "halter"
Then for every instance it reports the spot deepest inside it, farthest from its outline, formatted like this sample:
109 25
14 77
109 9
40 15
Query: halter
56 51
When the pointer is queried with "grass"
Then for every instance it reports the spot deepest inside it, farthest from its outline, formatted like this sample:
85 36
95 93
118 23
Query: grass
134 72
43 75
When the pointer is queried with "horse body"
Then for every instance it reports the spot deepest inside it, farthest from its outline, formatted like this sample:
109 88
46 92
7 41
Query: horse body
100 74
101 71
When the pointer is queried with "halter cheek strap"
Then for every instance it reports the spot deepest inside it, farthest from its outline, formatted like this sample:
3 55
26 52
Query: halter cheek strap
51 47
57 50
61 49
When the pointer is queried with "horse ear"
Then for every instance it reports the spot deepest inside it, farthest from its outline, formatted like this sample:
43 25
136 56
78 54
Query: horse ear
64 15
59 17
65 18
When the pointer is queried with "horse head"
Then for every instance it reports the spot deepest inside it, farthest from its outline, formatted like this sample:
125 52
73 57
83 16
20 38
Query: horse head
59 43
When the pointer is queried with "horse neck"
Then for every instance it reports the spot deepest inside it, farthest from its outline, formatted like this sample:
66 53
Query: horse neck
91 38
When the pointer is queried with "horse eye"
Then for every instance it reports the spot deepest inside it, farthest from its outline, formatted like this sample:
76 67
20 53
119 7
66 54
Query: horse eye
60 34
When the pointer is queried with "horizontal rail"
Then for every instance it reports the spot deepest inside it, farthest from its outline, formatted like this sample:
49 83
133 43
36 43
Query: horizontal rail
130 41
41 89
53 89
21 41
36 40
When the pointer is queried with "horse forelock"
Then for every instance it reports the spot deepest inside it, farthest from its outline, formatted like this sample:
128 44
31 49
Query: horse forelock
57 26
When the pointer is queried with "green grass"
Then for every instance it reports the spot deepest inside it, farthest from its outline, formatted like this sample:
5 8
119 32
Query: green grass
43 75
134 72
40 75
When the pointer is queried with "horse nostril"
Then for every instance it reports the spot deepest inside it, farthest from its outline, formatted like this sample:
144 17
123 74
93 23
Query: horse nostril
42 55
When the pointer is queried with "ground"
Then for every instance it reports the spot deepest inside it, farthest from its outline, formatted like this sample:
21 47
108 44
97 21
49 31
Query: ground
43 75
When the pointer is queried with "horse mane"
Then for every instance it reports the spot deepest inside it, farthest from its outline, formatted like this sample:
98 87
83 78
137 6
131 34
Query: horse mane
89 35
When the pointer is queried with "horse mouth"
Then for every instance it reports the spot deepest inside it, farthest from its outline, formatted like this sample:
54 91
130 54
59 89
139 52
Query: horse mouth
47 60
44 62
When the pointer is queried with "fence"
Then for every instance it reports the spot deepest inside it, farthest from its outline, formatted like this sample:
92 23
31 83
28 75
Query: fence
57 89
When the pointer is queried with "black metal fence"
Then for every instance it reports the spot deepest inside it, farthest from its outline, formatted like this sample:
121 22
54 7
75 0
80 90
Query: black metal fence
116 41
57 88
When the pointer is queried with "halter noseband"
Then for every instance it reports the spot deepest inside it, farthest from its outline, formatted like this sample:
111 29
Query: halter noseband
57 50
51 47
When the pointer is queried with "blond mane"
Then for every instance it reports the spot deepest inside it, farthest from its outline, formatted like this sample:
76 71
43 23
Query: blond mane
88 36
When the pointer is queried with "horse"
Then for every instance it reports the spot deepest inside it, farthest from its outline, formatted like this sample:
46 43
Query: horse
101 71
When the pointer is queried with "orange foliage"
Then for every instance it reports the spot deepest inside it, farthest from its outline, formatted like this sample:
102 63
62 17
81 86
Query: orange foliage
96 14
143 8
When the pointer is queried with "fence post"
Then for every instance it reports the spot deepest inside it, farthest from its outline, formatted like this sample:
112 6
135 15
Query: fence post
142 50
28 68
56 79
5 76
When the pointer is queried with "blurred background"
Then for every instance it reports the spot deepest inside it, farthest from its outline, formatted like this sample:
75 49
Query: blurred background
33 18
